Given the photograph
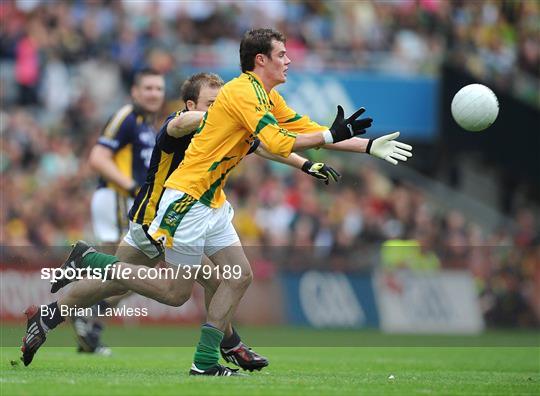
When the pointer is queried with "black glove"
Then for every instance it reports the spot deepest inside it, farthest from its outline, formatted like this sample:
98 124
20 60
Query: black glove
343 129
321 171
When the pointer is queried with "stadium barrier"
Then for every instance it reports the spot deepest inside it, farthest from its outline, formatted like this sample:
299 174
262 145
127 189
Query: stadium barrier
24 287
436 302
329 299
399 301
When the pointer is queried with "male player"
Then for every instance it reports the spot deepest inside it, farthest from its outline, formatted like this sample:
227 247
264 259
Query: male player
121 158
194 217
198 93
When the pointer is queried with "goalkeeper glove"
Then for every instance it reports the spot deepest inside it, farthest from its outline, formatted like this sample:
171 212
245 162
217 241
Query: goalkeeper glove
345 128
321 171
388 149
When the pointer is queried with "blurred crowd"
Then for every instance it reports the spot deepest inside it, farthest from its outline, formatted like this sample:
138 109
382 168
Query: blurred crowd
65 65
44 43
369 220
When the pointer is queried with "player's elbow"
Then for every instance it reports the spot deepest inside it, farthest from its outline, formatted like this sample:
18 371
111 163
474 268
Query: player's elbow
98 156
276 150
176 130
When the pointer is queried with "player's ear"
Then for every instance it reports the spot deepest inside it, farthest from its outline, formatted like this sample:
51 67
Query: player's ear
191 105
259 59
134 91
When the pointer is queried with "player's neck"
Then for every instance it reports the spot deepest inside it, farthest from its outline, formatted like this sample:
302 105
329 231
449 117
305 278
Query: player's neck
148 115
267 82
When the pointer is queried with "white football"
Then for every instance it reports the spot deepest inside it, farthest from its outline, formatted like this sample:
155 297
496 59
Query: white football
475 107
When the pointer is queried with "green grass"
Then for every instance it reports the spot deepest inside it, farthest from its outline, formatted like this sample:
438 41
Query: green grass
294 370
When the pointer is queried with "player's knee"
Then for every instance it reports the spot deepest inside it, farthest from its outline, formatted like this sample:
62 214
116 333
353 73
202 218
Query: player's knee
243 280
177 298
211 284
115 288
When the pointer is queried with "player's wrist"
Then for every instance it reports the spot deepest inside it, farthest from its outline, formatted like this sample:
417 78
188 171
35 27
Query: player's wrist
328 137
369 145
306 166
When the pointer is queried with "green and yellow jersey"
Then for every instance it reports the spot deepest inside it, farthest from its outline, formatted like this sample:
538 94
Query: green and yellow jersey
241 113
167 155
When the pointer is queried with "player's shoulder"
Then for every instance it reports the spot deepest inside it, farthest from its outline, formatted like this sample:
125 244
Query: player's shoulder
240 87
123 113
123 117
173 115
168 143
170 117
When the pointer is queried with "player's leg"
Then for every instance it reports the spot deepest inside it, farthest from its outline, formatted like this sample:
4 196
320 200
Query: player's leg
232 286
108 216
89 328
82 294
220 312
88 257
224 249
181 226
233 350
136 250
106 222
177 290
86 293
40 320
84 256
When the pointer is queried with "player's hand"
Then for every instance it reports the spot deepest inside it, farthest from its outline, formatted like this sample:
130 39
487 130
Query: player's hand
388 149
321 171
133 191
345 128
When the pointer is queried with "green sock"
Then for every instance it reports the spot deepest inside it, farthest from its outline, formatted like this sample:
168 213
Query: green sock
207 353
98 260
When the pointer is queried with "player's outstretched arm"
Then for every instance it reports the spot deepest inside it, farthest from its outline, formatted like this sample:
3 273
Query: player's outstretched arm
184 123
384 147
342 129
318 170
353 145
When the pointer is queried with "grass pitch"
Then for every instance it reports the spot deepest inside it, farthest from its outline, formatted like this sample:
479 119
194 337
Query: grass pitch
441 368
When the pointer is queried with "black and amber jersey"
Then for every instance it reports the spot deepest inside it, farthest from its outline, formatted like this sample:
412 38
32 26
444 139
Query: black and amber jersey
166 156
132 138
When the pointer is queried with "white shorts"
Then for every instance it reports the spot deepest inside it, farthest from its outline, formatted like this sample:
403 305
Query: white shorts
109 215
188 229
139 238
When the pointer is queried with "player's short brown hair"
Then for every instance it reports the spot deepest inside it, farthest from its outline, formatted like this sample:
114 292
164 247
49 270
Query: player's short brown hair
147 71
257 41
192 86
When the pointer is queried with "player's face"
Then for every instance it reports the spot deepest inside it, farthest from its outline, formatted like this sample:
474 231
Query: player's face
149 93
207 96
278 63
